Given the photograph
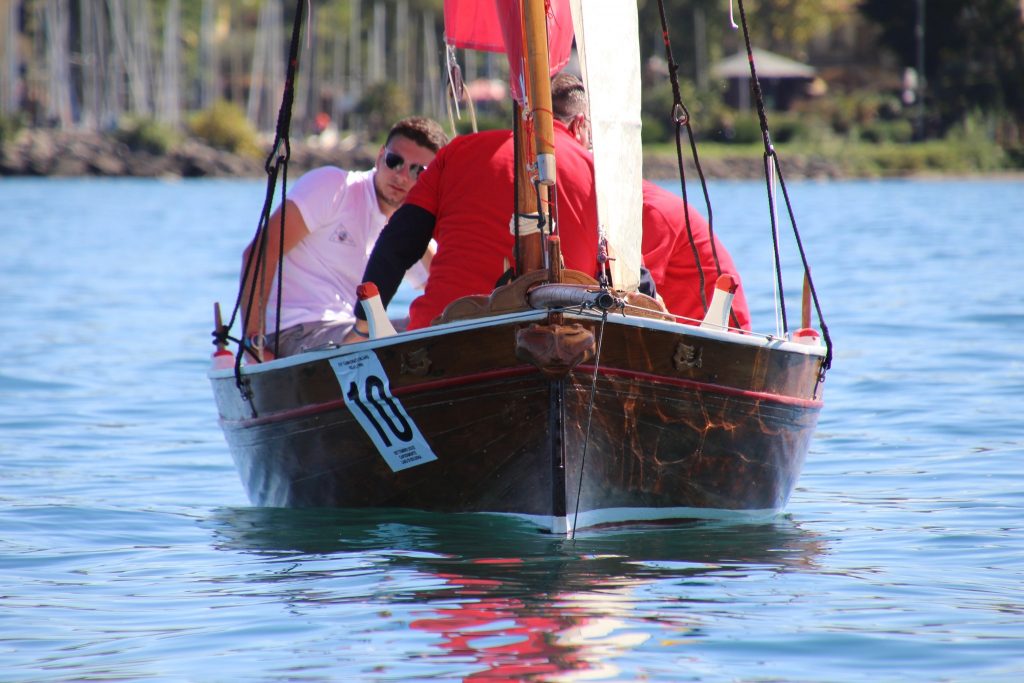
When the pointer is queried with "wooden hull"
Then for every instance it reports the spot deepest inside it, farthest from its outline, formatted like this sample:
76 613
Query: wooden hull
681 423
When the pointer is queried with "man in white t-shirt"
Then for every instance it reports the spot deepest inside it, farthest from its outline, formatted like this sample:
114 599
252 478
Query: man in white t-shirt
331 218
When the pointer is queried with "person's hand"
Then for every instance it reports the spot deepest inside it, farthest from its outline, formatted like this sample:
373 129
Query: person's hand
360 332
253 355
257 353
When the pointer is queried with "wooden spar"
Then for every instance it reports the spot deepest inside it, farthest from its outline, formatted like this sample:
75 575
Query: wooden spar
536 151
530 255
805 301
220 342
536 30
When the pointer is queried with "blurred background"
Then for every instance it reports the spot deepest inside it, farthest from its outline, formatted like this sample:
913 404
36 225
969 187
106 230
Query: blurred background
875 87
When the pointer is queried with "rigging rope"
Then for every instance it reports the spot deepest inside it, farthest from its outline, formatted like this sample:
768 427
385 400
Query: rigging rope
590 415
276 165
681 118
772 169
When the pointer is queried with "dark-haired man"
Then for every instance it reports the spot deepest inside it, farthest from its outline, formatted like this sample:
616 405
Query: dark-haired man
331 220
465 202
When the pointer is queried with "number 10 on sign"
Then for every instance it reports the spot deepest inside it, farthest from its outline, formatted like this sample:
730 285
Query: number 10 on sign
368 395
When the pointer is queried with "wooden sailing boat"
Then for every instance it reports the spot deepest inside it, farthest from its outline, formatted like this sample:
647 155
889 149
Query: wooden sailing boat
553 398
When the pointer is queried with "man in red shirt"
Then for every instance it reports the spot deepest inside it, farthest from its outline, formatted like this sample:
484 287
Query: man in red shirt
669 255
666 247
464 200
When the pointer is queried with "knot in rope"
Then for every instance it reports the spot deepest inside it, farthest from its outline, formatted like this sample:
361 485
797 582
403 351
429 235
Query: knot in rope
220 337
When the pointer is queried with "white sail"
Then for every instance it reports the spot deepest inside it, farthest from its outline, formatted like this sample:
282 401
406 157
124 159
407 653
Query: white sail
611 30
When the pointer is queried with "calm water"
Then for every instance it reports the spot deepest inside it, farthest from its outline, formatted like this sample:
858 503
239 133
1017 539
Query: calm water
129 552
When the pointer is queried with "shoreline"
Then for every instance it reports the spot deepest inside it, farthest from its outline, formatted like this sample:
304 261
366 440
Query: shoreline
73 153
69 153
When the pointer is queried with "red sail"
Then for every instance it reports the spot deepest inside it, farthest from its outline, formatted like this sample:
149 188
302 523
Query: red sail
491 25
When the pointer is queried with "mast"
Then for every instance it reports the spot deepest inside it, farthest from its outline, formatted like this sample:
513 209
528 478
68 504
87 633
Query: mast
536 35
57 23
537 153
141 48
169 99
354 83
377 71
540 90
429 96
9 78
266 77
402 40
91 52
209 62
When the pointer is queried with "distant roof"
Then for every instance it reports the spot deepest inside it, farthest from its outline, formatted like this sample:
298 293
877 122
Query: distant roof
768 65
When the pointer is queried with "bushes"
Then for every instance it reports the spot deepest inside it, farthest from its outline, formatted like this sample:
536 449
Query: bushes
888 131
224 126
10 126
656 107
974 140
146 135
1015 156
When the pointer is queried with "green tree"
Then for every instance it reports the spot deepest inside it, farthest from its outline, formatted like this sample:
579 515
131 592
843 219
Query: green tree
973 54
789 26
786 26
700 35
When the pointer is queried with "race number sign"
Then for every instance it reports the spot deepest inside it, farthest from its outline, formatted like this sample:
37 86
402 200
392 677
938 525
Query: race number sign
368 395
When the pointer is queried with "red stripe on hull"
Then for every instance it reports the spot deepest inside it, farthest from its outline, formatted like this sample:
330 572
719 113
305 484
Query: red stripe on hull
705 386
521 371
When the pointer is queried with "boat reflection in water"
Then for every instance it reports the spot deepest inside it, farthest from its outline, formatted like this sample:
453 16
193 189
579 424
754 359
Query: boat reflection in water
503 601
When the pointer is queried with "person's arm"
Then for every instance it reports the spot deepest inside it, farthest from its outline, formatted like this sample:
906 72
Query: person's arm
416 277
647 285
403 241
295 231
428 255
657 243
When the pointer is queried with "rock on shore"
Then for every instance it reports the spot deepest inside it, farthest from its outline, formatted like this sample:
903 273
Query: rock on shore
46 152
666 167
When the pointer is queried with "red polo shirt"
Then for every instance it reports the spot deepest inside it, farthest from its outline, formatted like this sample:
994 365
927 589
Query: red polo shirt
668 255
468 188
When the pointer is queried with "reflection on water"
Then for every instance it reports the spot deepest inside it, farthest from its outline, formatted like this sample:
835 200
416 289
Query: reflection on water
500 599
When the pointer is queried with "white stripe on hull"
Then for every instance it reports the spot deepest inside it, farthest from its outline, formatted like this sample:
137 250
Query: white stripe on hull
623 516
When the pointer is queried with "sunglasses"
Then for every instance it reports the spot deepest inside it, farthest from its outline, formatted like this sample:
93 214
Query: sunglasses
396 163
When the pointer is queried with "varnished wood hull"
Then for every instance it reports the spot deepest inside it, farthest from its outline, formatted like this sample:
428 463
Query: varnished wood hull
679 424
